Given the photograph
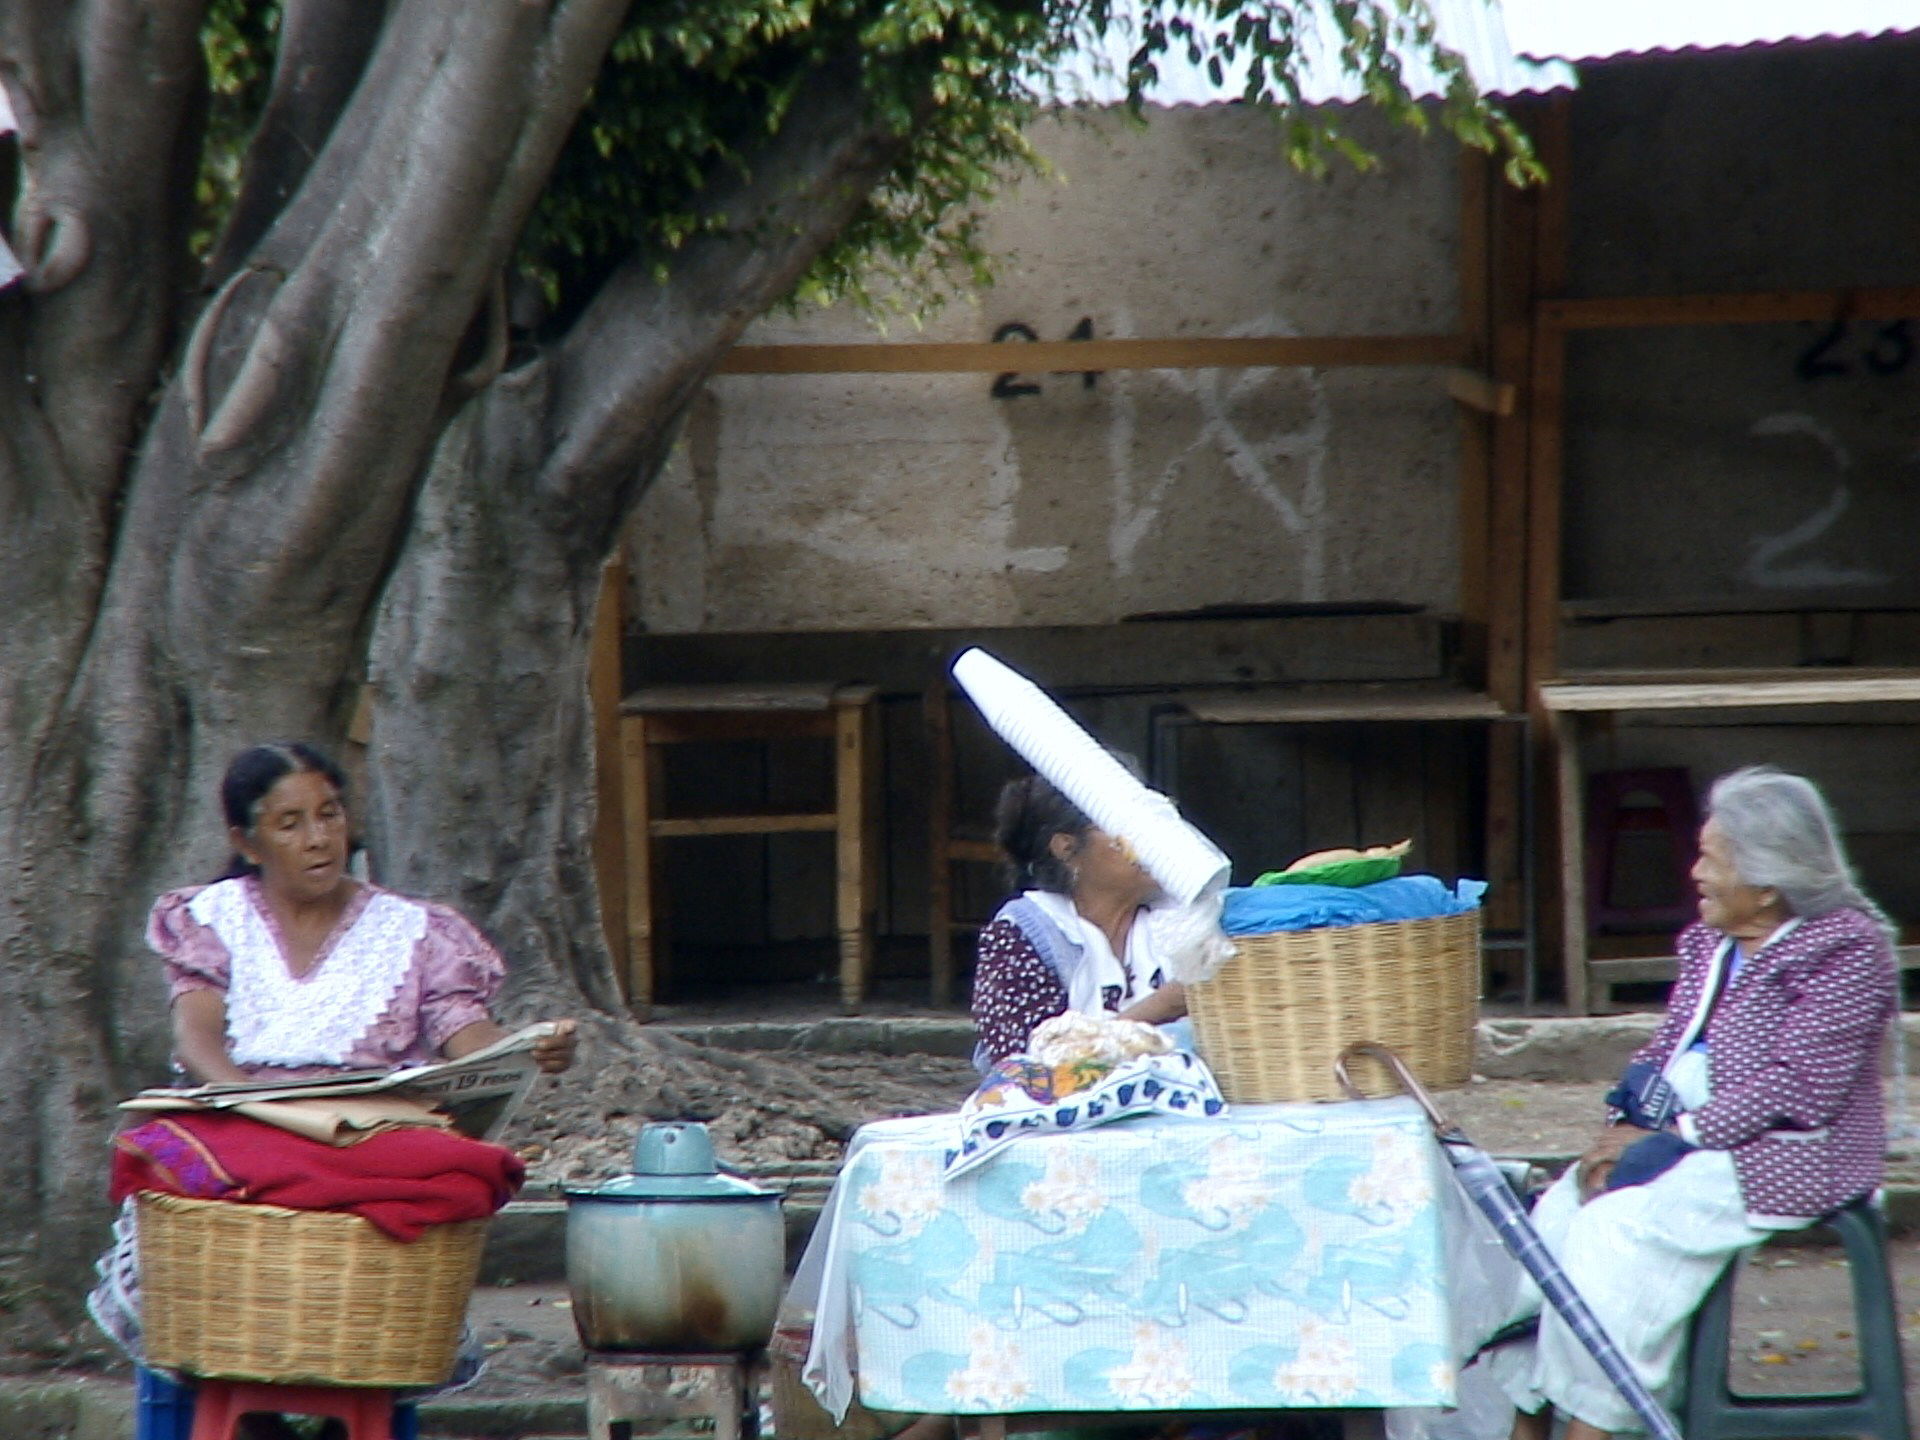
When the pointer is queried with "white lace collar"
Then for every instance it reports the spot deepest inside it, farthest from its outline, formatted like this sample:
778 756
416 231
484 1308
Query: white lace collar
1100 969
274 1018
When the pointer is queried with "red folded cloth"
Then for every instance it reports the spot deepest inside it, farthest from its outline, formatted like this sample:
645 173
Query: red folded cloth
400 1180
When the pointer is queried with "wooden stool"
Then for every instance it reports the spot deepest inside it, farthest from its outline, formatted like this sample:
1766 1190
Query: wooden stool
658 716
622 1389
218 1405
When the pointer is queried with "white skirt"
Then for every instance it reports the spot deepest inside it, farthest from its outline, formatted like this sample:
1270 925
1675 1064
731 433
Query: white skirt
1643 1258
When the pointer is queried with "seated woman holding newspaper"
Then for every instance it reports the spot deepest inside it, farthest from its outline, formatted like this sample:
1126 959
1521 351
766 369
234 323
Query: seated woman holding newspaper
288 967
1756 1107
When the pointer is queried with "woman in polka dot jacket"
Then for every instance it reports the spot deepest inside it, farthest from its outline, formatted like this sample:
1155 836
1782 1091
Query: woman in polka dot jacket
1068 941
1768 1063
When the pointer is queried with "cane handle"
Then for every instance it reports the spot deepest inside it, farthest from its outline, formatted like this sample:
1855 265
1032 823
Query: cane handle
1393 1062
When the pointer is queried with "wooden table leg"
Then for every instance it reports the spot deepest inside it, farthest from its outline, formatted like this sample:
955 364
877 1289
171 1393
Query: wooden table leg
939 722
636 784
851 861
1573 862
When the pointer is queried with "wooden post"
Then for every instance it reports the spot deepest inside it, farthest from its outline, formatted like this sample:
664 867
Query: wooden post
1510 344
1546 418
852 781
604 691
636 772
1476 429
939 723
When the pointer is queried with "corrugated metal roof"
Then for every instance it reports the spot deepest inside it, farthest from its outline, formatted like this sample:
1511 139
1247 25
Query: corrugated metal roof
1583 30
1474 29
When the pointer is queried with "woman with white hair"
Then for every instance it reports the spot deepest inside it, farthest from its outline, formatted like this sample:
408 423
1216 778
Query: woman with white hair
1756 1107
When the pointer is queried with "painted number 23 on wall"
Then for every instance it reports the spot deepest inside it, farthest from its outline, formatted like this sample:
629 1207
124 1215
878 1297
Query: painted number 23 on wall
1888 353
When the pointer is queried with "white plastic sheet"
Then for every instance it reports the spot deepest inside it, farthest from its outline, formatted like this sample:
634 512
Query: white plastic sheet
1186 863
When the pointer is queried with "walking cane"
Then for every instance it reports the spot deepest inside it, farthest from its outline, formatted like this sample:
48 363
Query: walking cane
1488 1189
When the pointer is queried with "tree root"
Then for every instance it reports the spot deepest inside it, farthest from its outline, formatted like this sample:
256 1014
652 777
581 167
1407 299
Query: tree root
763 1107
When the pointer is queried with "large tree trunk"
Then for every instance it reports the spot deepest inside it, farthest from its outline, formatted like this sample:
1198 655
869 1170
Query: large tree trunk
210 529
194 569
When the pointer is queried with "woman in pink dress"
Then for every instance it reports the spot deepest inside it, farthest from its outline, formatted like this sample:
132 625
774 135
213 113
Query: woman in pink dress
288 966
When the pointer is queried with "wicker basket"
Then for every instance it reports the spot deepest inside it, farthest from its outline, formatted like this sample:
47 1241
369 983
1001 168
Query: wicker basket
1279 1013
255 1292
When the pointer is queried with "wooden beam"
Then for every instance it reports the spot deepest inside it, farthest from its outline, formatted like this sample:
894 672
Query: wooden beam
638 789
1732 690
1476 430
1556 909
604 690
1510 342
1478 392
1547 399
1079 356
778 824
1760 307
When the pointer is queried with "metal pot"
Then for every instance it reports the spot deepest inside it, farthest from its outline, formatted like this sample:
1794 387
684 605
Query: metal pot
675 1256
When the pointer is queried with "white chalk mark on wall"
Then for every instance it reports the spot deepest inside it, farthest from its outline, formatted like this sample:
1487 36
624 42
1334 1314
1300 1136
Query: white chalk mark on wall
1138 505
1764 567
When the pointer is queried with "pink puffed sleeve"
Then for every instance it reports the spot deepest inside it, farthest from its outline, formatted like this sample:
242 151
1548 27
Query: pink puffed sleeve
194 956
460 972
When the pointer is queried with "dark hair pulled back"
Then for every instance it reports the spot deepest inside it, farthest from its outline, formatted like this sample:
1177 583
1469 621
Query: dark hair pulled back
1030 813
254 772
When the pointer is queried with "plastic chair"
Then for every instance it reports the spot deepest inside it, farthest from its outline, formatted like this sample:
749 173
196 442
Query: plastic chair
1878 1409
165 1409
1673 814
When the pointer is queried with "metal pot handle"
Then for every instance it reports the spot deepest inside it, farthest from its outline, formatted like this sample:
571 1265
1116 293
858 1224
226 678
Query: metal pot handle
1393 1062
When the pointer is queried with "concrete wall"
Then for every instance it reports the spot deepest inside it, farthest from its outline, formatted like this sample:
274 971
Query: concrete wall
1774 461
1774 470
846 502
1727 463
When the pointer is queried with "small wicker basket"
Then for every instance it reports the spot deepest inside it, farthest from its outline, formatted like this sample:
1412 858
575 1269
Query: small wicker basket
1274 1019
257 1292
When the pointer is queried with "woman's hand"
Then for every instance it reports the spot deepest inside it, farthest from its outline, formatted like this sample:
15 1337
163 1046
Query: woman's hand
200 1038
1157 1007
554 1053
1593 1169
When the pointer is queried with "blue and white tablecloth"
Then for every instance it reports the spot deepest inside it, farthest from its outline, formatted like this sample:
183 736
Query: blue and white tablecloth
1281 1256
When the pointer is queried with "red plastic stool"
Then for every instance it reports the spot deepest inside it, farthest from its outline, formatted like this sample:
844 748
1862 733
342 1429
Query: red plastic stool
366 1412
1673 813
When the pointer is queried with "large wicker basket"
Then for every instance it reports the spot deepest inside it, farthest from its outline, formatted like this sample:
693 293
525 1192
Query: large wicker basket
1274 1019
255 1292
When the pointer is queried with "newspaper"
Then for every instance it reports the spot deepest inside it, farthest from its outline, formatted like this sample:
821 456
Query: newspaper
475 1095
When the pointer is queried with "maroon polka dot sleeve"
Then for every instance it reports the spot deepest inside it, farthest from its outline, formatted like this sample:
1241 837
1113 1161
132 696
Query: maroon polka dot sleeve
1014 989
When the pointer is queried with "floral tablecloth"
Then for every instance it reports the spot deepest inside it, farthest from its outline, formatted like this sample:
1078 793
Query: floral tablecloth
1281 1256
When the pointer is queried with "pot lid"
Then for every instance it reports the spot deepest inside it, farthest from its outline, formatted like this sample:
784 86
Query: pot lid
674 1161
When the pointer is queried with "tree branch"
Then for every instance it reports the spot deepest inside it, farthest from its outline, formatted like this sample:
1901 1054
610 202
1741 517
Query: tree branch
108 94
399 227
322 53
643 346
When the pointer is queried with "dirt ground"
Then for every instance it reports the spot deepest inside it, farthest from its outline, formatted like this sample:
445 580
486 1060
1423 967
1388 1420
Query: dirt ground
1793 1329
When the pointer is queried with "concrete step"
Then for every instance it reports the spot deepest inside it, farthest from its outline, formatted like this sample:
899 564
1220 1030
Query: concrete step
1507 1047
